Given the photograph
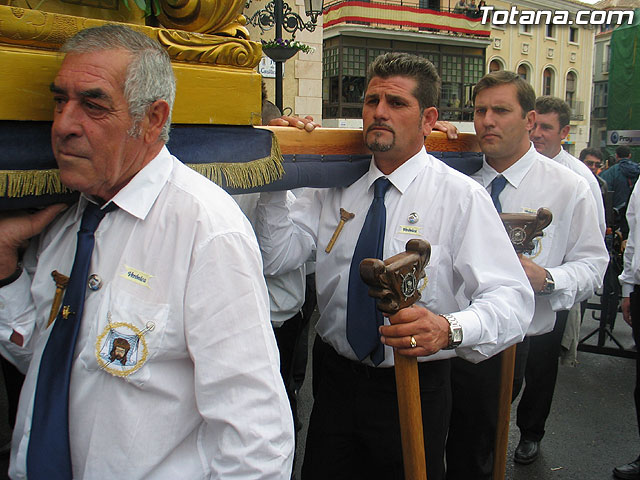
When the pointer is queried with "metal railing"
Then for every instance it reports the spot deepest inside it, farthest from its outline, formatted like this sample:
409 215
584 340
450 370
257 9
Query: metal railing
599 112
408 3
577 110
448 24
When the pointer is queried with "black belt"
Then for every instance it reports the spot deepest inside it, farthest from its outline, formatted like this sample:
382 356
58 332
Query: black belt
332 357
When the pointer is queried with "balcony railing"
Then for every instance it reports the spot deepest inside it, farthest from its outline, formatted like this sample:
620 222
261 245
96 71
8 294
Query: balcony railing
577 110
599 113
401 14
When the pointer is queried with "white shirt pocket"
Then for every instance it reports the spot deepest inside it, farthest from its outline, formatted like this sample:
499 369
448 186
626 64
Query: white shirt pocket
127 333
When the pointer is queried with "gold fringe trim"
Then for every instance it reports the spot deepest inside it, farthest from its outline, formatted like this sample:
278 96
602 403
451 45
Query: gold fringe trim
255 173
20 183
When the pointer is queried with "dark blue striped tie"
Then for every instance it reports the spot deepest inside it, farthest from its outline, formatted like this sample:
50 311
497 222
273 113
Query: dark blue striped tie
497 185
48 456
363 318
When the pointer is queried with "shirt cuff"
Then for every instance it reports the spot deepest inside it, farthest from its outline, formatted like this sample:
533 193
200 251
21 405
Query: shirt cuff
560 278
627 288
15 300
471 328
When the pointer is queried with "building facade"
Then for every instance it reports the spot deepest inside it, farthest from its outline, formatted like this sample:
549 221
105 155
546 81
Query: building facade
357 32
557 60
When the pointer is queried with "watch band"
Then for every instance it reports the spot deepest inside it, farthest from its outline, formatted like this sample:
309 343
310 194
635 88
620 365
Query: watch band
13 277
455 331
549 285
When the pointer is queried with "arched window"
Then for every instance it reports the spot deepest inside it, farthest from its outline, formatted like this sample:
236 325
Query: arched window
495 65
523 71
547 81
570 95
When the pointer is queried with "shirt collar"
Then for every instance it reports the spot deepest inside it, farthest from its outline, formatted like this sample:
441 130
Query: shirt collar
515 173
402 176
138 196
559 156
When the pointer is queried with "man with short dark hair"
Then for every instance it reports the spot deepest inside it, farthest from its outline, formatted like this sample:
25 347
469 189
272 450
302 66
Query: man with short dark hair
593 159
163 340
471 305
566 267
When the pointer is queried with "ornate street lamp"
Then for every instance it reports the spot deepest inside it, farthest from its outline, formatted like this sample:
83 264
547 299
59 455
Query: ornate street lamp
278 14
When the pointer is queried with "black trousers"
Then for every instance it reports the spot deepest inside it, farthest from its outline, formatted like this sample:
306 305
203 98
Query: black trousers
474 418
354 430
540 374
635 325
287 338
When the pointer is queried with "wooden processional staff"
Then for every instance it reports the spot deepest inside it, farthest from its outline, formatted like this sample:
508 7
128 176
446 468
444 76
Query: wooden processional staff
522 229
394 285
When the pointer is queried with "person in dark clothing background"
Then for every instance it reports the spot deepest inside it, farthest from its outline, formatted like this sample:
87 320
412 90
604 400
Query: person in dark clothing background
620 179
622 176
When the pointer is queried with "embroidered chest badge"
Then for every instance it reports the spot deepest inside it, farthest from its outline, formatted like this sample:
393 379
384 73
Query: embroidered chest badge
121 348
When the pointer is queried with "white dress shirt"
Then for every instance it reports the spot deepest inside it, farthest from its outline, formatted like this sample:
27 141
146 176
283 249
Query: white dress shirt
182 275
286 290
631 274
572 248
491 299
572 163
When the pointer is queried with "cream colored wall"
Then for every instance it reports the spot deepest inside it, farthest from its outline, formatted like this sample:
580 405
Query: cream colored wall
513 47
302 82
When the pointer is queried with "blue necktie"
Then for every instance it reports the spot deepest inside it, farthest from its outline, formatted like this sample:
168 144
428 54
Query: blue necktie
48 456
497 185
363 318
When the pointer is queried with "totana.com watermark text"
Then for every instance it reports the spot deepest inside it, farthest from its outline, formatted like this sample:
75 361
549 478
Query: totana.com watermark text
556 17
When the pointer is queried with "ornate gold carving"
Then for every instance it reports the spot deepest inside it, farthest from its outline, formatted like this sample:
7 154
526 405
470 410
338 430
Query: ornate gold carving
35 28
204 16
214 50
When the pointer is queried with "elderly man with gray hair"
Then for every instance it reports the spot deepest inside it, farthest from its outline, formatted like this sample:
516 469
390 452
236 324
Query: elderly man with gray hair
161 362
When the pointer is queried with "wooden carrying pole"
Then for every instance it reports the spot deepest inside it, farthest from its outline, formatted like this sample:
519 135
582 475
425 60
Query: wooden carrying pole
507 363
342 141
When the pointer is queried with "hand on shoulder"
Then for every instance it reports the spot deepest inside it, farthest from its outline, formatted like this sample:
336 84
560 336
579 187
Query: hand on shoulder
448 128
305 123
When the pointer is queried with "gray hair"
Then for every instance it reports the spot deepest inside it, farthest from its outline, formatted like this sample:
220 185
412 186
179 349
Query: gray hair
392 64
149 75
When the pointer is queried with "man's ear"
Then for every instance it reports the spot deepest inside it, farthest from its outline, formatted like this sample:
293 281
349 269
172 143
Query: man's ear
530 118
157 115
564 131
429 118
